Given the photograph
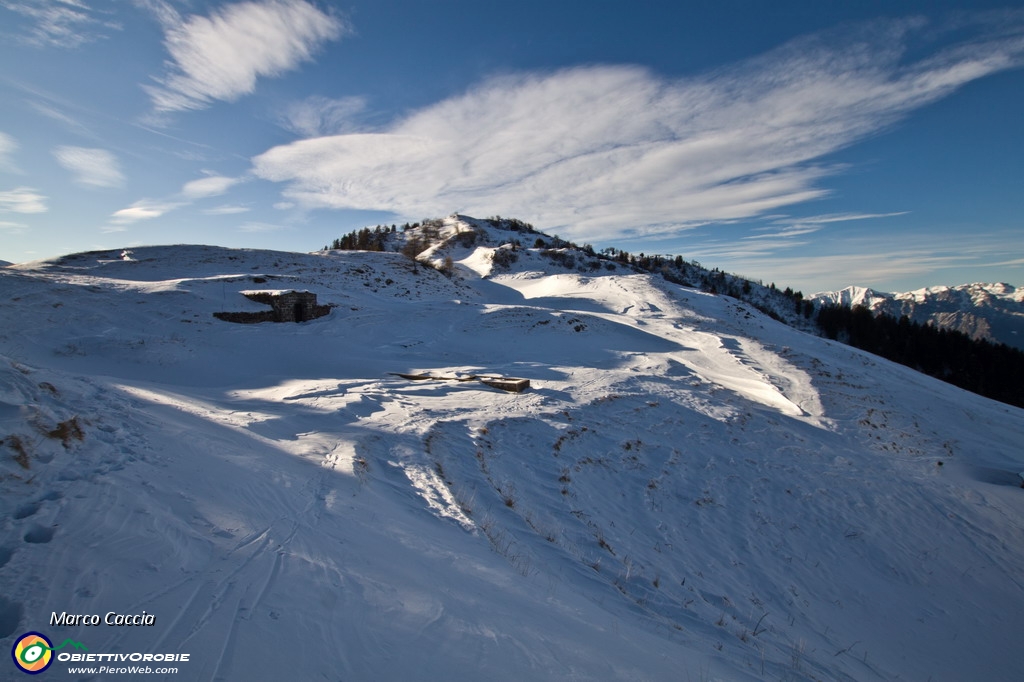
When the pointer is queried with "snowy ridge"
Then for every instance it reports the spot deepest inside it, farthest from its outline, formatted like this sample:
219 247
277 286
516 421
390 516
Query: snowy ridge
994 312
688 490
852 296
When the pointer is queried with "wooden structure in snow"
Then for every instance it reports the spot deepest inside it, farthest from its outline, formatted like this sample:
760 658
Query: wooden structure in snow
506 383
510 384
286 305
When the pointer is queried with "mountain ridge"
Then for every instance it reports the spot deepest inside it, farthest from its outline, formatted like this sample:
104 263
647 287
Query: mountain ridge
993 312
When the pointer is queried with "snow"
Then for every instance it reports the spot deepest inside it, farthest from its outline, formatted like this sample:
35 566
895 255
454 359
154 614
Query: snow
852 296
268 292
688 490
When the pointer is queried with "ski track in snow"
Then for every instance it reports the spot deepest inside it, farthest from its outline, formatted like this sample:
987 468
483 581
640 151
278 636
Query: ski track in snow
687 490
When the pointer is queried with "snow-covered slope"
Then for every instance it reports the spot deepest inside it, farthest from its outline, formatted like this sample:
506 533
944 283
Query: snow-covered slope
994 312
688 489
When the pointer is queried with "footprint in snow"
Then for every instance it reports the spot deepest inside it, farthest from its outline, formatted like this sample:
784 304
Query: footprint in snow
39 534
26 510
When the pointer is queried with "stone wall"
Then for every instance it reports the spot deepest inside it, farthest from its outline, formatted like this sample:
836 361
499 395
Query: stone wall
286 306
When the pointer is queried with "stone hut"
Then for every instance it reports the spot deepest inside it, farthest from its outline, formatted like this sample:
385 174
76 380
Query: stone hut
287 305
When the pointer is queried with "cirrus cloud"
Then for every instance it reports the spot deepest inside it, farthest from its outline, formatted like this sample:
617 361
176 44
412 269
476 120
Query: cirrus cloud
147 209
61 23
592 151
7 148
144 209
92 167
227 209
211 186
316 115
23 200
221 56
12 228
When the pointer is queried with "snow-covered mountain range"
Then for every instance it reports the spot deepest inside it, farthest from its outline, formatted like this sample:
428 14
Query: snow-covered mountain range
994 312
688 490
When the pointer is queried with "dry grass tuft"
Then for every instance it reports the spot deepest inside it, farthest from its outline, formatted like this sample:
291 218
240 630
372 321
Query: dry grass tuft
15 443
67 431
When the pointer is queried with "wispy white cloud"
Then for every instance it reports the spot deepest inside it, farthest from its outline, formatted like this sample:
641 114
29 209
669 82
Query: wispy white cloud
227 209
775 242
593 151
785 232
64 119
211 186
92 167
315 116
56 106
12 228
895 260
839 217
61 23
836 271
784 227
7 149
1014 262
144 209
727 252
147 209
23 200
221 56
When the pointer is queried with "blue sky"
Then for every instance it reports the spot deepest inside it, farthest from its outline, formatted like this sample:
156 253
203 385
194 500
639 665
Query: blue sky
813 144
